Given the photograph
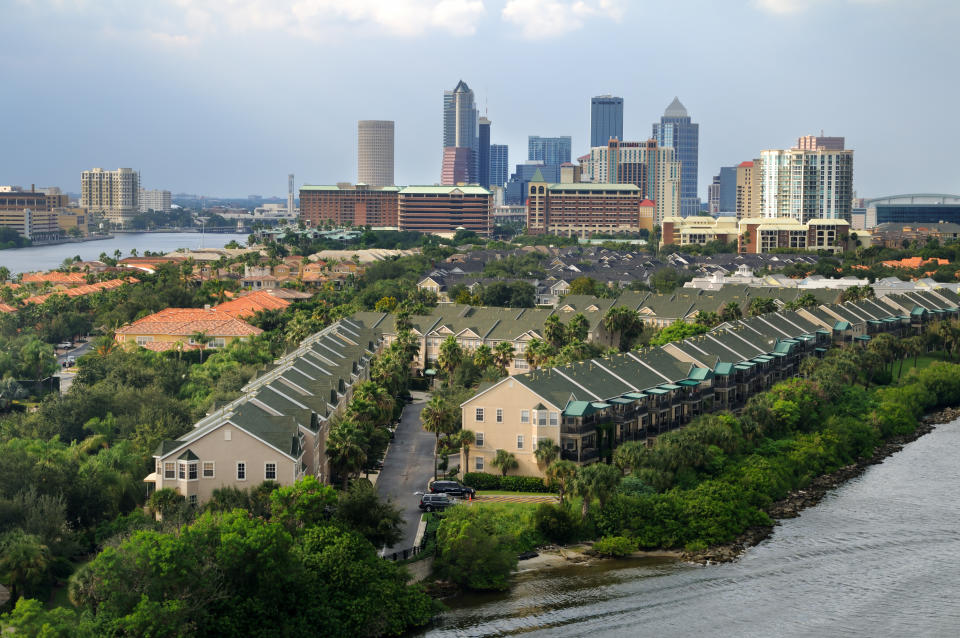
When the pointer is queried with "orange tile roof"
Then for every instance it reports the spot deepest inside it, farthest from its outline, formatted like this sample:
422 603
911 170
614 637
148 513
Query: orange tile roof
54 277
86 289
187 321
249 305
916 262
7 308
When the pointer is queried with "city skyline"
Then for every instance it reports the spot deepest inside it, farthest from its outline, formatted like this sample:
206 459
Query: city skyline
199 137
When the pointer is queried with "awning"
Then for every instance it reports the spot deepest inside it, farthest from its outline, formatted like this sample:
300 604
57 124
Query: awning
656 391
690 383
841 325
600 405
152 477
578 408
670 386
429 372
723 369
620 401
862 338
763 358
819 349
778 354
701 373
635 395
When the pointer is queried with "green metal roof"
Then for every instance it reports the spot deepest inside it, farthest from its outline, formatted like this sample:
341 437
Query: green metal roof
443 190
600 405
626 188
188 456
862 338
778 354
656 391
429 372
689 382
620 401
578 408
701 373
841 325
819 349
784 347
917 310
763 358
823 332
669 386
744 365
723 368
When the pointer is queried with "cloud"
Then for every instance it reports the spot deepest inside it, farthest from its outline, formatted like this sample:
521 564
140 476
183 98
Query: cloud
787 7
541 19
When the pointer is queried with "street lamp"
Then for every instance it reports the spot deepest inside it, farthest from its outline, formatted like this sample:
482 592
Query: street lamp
203 221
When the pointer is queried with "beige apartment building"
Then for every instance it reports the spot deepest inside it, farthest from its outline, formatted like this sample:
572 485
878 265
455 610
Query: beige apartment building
748 189
114 194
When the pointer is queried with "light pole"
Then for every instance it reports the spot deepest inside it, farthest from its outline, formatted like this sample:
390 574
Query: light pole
203 221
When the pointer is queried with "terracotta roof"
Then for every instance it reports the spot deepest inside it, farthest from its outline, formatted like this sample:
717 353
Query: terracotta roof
7 308
916 262
746 164
54 277
187 321
249 305
86 289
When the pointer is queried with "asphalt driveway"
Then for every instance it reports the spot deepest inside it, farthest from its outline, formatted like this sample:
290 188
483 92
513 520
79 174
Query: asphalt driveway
408 467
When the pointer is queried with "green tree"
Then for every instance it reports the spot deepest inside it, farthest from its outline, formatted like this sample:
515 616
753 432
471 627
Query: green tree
346 449
731 311
472 556
537 352
583 286
24 563
577 328
466 439
503 354
505 461
304 504
547 452
554 331
561 474
437 417
595 482
362 510
625 323
200 339
29 618
762 306
483 357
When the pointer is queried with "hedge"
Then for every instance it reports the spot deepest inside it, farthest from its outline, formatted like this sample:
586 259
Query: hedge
484 481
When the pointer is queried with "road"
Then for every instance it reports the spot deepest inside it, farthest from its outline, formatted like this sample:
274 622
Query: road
67 374
407 468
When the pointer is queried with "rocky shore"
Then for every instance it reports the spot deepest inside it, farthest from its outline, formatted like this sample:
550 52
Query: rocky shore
798 500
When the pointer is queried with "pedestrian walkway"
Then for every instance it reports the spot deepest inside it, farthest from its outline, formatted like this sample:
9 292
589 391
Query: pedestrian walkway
516 498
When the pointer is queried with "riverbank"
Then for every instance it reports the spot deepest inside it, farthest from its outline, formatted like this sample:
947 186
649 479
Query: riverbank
580 554
812 494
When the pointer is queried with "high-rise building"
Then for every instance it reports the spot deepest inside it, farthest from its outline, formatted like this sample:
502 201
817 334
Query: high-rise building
713 196
349 205
460 125
155 200
115 194
806 184
728 189
606 119
552 151
748 190
290 199
483 154
515 193
678 131
444 209
375 152
499 164
820 143
456 165
651 167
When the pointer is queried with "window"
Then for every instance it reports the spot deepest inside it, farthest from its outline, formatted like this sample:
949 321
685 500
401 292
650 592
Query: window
192 471
182 471
208 468
479 415
158 468
524 416
193 499
479 437
143 340
479 462
168 471
554 418
270 472
241 471
499 415
519 441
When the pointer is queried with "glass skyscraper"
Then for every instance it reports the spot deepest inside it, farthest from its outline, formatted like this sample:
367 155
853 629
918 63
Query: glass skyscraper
499 164
552 151
676 130
606 119
460 126
483 153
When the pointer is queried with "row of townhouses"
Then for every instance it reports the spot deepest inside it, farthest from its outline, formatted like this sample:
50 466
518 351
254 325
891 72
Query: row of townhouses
644 393
277 429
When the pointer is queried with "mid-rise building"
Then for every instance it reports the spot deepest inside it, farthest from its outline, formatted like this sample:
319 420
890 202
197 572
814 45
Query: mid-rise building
748 189
499 164
647 165
483 154
349 205
820 143
155 200
582 210
35 214
606 119
114 194
757 234
678 131
33 225
515 193
806 184
460 126
375 152
552 151
912 208
445 209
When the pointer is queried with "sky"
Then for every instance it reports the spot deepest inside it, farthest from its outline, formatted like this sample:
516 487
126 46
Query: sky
226 97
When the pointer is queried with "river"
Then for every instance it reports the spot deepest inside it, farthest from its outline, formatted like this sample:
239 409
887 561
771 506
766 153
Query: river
879 556
48 257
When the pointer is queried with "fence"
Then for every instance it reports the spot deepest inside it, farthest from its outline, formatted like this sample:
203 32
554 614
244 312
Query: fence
410 552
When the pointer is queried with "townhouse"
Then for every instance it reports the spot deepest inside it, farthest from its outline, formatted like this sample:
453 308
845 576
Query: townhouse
277 429
641 394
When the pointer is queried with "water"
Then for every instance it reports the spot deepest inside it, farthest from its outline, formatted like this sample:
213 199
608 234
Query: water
880 556
48 257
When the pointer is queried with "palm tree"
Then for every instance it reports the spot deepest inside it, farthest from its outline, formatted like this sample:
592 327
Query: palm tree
537 352
450 356
560 474
547 452
4 274
913 347
762 306
437 417
483 357
466 438
506 461
731 311
625 323
503 354
578 328
200 338
346 449
595 482
554 332
24 562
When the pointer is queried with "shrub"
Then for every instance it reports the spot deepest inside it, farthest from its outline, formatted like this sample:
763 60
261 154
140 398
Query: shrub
484 481
616 546
557 523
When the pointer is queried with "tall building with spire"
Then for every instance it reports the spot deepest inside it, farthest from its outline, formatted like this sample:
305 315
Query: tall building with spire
677 131
460 130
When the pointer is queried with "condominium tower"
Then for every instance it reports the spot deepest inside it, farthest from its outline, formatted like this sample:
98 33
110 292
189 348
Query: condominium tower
155 200
460 122
115 194
606 119
676 130
651 167
375 152
806 184
748 189
499 164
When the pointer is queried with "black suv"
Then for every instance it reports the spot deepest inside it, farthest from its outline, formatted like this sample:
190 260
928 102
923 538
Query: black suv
453 489
438 502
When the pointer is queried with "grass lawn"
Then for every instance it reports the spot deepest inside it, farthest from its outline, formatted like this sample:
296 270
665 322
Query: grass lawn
509 493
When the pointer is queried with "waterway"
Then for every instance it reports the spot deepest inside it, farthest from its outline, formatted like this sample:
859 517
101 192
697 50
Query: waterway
879 556
48 257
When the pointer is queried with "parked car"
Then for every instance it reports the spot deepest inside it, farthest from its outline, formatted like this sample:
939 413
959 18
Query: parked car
452 488
435 502
64 345
71 361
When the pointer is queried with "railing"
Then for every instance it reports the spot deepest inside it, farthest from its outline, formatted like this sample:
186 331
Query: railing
410 552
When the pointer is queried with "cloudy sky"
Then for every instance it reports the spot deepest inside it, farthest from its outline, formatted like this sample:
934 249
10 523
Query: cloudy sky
225 97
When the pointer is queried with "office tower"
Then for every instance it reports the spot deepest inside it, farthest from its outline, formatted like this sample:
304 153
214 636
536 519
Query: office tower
444 209
713 196
728 189
375 152
460 126
552 151
820 143
115 194
516 190
349 205
456 166
606 119
676 130
290 194
483 154
806 185
580 210
499 164
748 190
155 200
649 166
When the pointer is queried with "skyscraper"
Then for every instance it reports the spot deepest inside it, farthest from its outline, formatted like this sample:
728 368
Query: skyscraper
460 125
499 164
552 151
748 189
483 154
678 131
375 152
806 184
606 119
651 167
820 143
